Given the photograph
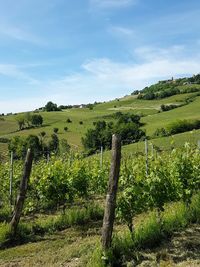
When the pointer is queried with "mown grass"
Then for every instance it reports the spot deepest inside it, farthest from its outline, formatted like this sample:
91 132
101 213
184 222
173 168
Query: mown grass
29 230
149 232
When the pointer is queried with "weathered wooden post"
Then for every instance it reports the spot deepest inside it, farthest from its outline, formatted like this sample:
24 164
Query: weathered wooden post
22 191
109 213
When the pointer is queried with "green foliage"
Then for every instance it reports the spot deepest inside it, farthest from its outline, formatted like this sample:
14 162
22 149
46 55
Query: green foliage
126 125
55 130
168 107
50 106
20 121
176 127
53 145
36 120
20 145
181 126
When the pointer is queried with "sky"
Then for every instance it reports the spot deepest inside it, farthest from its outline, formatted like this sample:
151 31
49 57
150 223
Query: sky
81 51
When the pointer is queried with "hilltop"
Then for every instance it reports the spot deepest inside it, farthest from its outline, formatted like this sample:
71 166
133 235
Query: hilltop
180 97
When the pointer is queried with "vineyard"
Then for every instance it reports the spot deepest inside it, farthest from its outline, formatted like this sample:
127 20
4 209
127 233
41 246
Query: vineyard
70 190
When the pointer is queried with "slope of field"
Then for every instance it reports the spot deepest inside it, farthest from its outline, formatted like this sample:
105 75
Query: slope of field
150 109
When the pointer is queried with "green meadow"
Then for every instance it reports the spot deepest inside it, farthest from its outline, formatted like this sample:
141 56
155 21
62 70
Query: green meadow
152 119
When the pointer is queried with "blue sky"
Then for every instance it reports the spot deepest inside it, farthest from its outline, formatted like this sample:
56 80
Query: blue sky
82 51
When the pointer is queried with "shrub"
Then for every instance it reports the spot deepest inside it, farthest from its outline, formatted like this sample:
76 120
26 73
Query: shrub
55 130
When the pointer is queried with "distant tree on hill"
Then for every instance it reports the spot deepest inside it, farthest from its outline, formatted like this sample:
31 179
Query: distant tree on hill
55 130
27 118
20 121
50 106
36 120
65 129
126 125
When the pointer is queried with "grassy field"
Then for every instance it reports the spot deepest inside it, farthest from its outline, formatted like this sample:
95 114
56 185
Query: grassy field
150 109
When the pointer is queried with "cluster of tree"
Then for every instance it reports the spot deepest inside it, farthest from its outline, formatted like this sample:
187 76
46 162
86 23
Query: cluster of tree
127 125
159 95
26 120
179 126
65 107
135 92
19 145
169 87
195 79
4 140
168 107
50 106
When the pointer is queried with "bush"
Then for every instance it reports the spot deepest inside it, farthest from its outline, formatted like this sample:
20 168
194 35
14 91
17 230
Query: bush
36 120
55 130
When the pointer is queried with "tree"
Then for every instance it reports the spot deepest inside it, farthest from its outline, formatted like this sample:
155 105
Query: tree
36 120
50 106
65 128
33 142
54 143
21 121
18 146
55 130
127 126
68 121
27 118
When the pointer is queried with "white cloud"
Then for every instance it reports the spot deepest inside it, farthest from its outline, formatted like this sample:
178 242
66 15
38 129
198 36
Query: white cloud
102 79
112 3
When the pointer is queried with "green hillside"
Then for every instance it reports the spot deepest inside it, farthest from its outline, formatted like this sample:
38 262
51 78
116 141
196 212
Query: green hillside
187 102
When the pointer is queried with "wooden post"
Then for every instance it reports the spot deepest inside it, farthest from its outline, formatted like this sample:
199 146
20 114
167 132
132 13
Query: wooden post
109 213
11 178
22 191
152 147
48 157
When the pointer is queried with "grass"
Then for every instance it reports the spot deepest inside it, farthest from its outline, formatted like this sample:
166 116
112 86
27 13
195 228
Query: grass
79 245
149 232
149 108
30 230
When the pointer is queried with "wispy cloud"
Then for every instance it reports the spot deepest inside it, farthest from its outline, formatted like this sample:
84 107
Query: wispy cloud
20 34
121 31
102 79
15 72
112 3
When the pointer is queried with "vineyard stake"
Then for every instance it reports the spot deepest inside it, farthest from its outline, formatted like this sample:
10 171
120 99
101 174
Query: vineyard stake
22 192
109 212
11 178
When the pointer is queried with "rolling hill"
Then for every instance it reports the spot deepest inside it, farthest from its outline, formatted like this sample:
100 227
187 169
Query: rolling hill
187 102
